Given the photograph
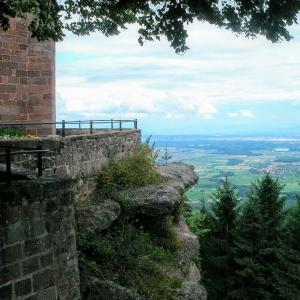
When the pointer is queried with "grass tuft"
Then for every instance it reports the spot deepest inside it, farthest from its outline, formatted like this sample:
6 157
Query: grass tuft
135 171
13 133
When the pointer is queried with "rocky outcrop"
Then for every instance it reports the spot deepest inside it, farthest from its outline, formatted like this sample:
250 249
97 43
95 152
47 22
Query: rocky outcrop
95 218
191 288
107 290
156 202
150 200
178 175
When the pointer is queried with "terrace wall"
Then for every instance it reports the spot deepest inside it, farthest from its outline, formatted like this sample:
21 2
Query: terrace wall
76 155
27 78
38 255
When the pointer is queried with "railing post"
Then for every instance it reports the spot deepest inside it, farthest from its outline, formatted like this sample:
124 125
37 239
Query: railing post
63 130
79 123
111 124
135 123
8 165
120 125
91 127
39 162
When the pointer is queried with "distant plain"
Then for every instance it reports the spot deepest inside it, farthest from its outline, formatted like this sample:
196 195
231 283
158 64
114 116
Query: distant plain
243 160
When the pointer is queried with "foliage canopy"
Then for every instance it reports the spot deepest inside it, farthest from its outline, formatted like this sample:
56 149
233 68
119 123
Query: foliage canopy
155 18
256 245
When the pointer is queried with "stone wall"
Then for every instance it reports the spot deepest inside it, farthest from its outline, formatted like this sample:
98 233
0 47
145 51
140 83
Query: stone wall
38 256
78 155
27 78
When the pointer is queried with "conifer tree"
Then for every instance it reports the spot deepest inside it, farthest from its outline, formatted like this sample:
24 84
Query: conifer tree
217 245
260 253
248 279
292 235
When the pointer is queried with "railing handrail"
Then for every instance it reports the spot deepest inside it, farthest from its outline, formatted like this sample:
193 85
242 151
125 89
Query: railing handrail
90 123
25 152
16 147
69 122
8 153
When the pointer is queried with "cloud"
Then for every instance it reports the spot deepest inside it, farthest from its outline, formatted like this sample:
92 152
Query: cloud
245 113
207 116
233 114
206 108
175 116
99 76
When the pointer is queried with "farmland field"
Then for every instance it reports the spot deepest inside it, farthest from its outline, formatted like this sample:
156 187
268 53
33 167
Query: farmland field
243 160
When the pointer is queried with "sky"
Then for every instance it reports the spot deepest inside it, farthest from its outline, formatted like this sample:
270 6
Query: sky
225 84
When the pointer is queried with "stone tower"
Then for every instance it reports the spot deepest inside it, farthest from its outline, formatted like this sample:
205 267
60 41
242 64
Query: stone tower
27 78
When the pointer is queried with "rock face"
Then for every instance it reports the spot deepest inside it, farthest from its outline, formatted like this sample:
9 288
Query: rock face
178 175
95 218
155 201
150 200
107 290
191 289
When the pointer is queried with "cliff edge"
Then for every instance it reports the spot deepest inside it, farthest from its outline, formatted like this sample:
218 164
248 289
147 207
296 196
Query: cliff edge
136 243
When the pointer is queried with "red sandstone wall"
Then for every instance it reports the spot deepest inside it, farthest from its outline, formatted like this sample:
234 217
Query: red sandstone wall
27 78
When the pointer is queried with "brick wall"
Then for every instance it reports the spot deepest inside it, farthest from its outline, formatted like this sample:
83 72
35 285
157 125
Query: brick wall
27 78
38 256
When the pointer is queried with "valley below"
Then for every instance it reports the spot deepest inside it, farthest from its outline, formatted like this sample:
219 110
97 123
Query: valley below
242 159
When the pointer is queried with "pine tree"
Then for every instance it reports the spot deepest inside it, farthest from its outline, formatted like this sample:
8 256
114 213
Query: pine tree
260 253
292 235
248 278
217 245
166 157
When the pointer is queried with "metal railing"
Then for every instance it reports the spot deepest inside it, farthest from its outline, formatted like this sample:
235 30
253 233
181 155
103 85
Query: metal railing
91 125
8 155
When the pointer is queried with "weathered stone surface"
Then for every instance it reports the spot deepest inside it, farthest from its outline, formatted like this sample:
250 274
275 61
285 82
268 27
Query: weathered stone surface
85 191
76 156
178 175
38 256
191 289
190 245
152 200
97 289
95 218
194 274
6 292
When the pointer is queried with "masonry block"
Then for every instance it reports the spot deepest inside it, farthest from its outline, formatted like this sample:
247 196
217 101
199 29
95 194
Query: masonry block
43 280
6 292
8 273
26 66
23 287
41 263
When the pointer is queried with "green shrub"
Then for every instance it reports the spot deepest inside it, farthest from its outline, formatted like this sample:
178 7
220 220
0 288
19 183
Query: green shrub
8 133
135 171
131 257
197 223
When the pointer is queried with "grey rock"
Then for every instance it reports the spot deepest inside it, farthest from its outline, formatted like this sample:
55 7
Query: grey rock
190 246
193 291
178 175
96 289
152 200
95 218
194 274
